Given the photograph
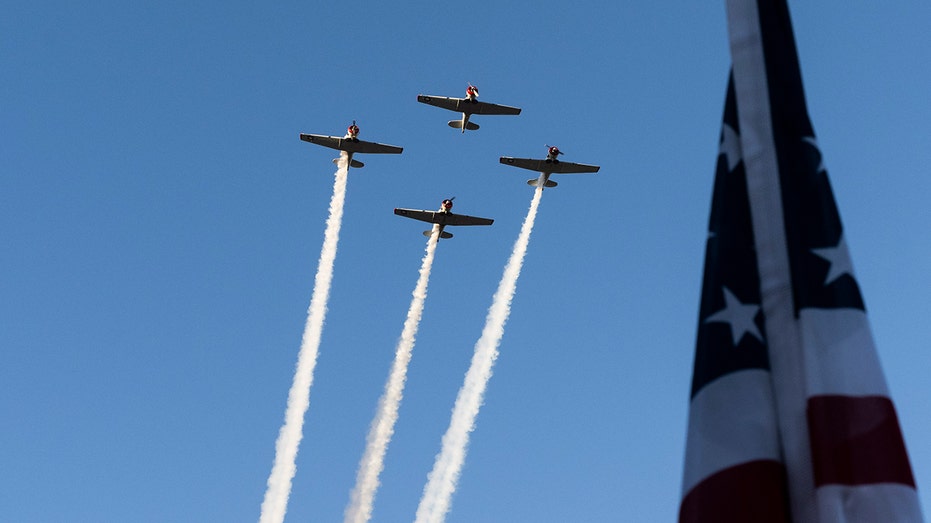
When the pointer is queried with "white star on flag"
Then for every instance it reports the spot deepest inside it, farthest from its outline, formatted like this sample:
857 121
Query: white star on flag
730 146
839 258
739 315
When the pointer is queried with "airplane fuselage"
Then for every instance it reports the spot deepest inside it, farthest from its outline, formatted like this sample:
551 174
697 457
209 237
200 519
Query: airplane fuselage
467 107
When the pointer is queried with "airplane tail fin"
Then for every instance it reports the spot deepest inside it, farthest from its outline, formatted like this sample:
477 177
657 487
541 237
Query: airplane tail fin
457 124
535 182
445 235
352 163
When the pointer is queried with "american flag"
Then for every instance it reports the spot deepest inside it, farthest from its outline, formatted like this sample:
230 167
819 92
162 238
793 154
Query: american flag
790 416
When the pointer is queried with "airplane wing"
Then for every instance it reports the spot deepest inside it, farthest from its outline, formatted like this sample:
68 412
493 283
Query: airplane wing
462 105
442 218
462 219
372 147
332 142
440 101
541 166
344 144
487 108
424 216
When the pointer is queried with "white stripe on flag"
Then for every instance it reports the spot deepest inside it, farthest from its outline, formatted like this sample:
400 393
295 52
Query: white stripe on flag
841 357
731 421
877 503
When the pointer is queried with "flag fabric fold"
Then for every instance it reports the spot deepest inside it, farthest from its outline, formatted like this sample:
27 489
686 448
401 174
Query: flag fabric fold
790 416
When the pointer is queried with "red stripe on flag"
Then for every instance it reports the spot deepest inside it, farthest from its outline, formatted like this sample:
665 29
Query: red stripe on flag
753 491
856 441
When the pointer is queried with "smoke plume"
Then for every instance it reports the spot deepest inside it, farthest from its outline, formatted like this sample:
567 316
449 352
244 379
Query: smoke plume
442 480
275 503
372 463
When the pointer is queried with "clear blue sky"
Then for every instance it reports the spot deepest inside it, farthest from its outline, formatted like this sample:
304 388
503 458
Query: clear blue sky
161 223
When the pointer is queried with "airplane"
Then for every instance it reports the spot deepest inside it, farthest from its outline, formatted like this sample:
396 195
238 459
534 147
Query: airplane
443 217
551 165
467 106
351 144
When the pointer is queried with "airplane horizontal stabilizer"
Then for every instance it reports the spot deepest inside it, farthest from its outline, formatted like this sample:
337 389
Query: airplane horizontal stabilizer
445 235
352 163
457 124
535 182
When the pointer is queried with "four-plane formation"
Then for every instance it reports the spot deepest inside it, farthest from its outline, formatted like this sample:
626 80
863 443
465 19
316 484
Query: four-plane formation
441 484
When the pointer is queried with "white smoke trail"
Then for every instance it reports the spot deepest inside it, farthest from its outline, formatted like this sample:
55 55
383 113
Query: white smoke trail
372 463
275 503
442 480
